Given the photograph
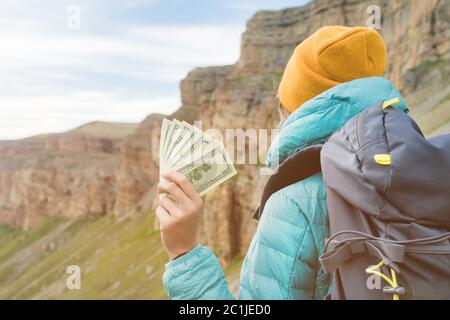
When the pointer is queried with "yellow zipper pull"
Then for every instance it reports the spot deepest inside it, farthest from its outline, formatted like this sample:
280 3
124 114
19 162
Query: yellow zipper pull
389 103
383 159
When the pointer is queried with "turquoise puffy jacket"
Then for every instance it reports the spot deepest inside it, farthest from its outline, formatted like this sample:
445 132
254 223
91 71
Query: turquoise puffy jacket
282 260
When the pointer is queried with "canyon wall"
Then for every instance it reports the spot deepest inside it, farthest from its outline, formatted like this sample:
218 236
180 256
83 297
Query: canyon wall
99 178
71 175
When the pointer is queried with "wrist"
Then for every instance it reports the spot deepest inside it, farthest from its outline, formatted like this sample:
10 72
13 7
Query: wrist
178 256
175 255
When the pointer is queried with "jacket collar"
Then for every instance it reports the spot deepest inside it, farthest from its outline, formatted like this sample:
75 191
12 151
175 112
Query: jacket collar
321 116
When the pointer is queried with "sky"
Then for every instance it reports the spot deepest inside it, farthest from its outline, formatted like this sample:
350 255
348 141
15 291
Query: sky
66 63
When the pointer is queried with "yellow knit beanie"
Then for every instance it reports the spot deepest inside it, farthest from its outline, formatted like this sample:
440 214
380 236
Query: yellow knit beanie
332 55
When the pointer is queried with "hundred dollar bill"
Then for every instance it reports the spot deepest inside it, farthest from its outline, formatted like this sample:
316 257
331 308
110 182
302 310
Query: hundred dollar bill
164 130
181 137
167 139
194 147
184 143
208 171
176 130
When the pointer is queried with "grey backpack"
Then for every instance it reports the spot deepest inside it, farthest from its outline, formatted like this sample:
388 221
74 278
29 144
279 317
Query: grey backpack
388 199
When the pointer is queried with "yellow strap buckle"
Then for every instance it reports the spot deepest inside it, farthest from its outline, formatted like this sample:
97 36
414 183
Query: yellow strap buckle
393 287
383 159
389 103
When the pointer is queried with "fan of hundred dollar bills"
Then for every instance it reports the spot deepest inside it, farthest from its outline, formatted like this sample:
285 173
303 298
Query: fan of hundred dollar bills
194 154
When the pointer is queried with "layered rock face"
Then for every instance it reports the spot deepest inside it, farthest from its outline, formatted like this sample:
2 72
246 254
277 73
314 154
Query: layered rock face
69 175
241 96
138 171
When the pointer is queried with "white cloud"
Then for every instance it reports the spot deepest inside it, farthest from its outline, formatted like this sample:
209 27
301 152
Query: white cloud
31 115
53 80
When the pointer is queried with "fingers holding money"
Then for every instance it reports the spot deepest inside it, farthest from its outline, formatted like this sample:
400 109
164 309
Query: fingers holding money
195 155
178 235
178 188
163 216
170 206
184 184
173 191
197 164
178 214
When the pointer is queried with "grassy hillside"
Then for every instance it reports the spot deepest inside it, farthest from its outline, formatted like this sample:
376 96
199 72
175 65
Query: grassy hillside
118 259
429 100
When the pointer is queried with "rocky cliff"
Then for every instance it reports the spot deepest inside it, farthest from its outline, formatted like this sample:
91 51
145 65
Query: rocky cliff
70 175
417 35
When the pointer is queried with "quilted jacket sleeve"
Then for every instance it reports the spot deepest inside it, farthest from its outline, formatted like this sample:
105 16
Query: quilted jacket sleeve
196 276
283 258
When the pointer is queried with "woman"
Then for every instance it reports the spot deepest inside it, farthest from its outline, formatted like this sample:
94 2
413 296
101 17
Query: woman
332 76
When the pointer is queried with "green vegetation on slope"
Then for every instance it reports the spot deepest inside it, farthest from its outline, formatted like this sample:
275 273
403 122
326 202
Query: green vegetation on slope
118 260
429 96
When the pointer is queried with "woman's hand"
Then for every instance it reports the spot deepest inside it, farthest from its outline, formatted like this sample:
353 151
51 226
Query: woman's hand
179 211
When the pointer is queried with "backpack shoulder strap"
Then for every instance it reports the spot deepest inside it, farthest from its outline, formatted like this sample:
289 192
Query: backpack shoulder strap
297 167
